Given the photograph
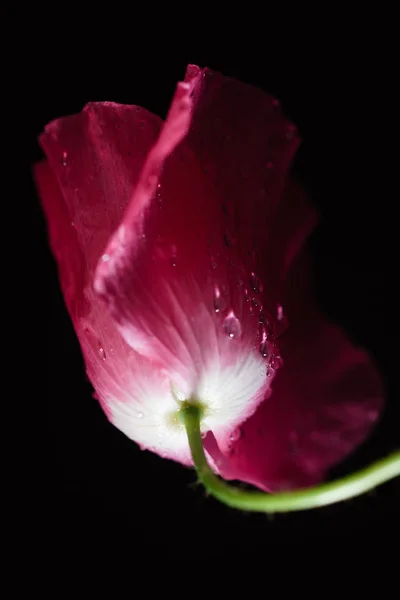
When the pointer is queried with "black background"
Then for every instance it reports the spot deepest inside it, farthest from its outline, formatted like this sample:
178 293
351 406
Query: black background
84 483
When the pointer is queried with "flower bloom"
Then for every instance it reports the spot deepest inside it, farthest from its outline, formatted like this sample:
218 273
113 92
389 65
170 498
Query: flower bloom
179 252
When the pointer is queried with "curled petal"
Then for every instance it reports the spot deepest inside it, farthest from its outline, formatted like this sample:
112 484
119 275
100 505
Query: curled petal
324 402
176 272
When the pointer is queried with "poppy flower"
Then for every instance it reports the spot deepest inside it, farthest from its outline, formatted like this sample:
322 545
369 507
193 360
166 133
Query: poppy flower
180 248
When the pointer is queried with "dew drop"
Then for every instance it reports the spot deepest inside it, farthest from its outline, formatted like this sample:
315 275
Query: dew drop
218 305
72 224
255 283
214 264
236 435
254 302
276 361
64 159
246 295
173 256
102 353
279 313
264 348
262 318
105 257
140 415
232 325
158 195
270 371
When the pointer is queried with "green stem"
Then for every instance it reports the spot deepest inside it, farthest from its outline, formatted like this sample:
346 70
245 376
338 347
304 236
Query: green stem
328 493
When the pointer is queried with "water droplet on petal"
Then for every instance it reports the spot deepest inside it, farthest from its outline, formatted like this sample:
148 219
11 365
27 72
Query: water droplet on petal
173 256
262 318
64 159
246 295
72 224
264 348
256 283
158 195
232 325
102 353
279 313
105 257
140 415
265 345
214 264
218 305
236 435
270 371
276 361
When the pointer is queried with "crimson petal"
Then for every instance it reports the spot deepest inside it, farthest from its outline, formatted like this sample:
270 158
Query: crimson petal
324 402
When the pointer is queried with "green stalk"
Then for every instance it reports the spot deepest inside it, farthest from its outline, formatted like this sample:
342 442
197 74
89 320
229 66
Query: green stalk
327 493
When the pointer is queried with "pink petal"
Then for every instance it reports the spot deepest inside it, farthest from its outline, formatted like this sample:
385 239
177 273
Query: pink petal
84 199
324 402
